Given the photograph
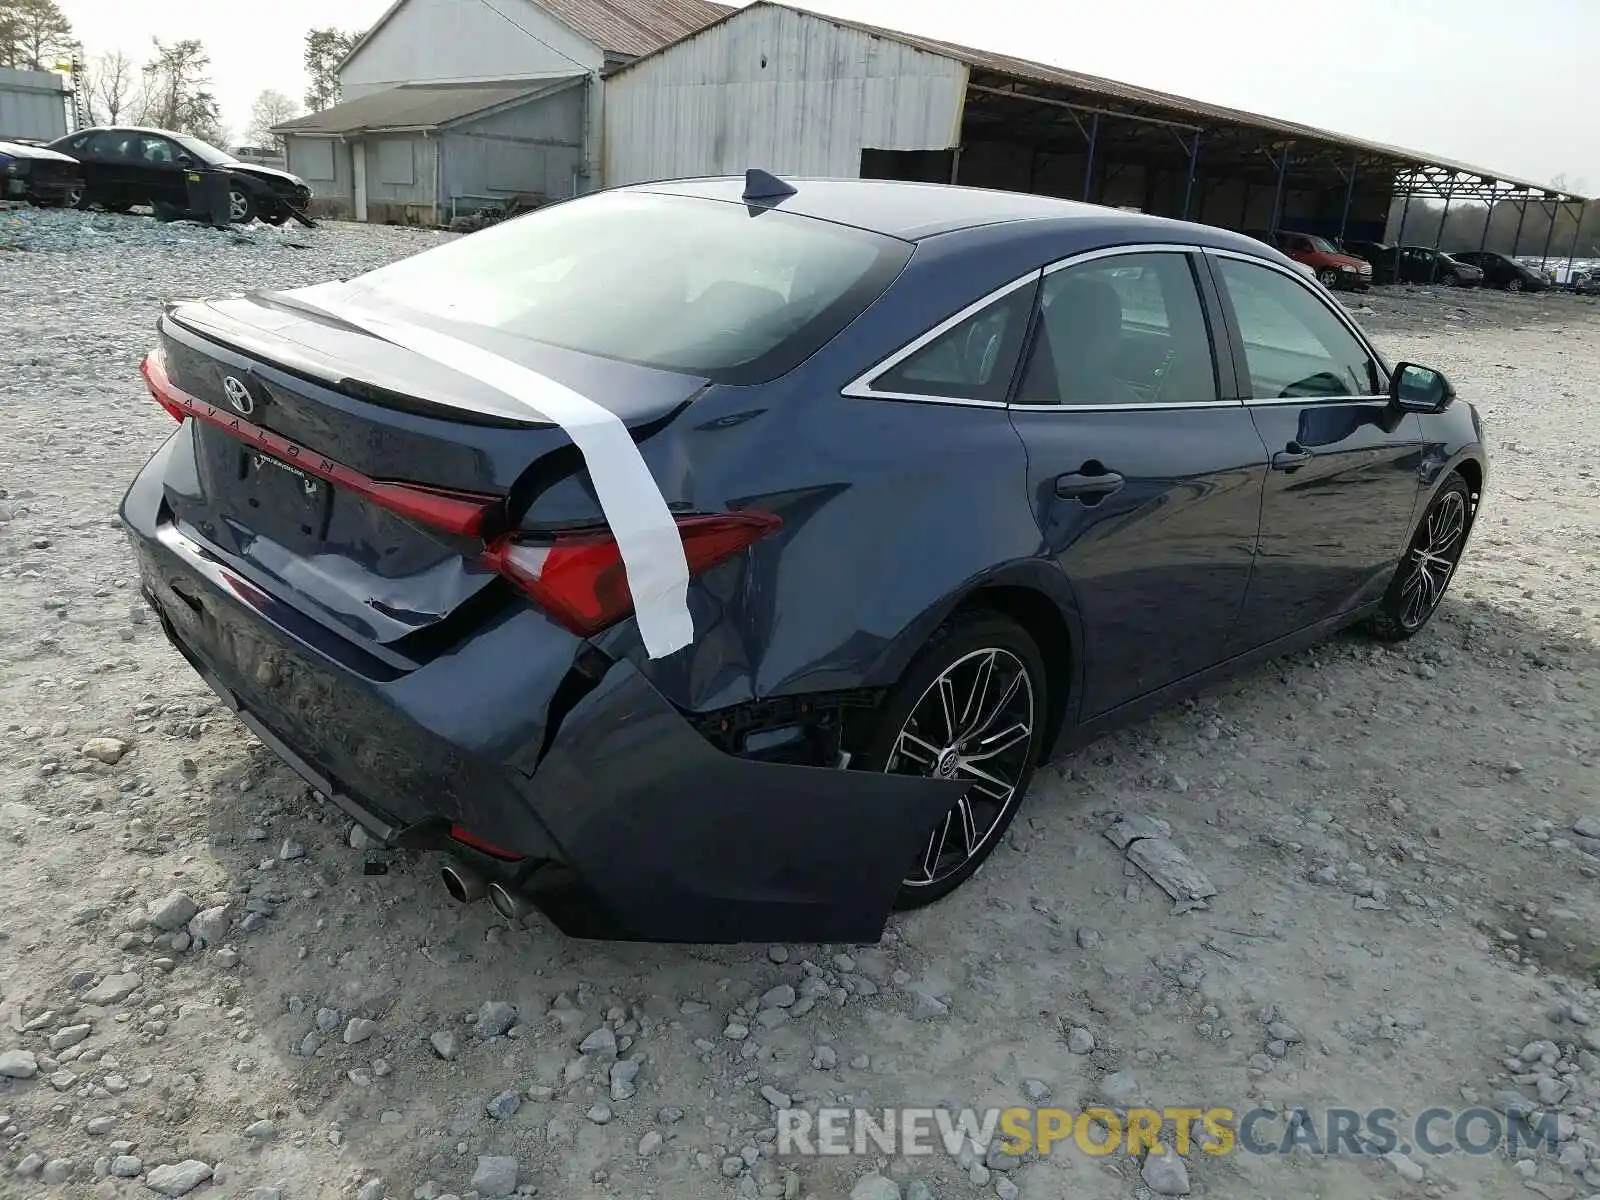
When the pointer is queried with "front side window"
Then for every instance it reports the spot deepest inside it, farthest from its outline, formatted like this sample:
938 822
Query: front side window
672 282
1293 345
972 360
115 144
157 151
1122 330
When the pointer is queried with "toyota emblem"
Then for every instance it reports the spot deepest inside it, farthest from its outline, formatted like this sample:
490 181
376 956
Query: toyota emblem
238 396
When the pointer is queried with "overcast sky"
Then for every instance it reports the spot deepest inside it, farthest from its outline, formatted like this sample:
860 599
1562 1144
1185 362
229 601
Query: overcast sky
1513 87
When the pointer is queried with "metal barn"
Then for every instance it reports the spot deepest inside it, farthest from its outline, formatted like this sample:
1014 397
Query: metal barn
33 105
421 154
452 104
796 92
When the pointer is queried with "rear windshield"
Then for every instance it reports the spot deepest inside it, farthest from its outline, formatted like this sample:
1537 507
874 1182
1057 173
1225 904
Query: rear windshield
681 284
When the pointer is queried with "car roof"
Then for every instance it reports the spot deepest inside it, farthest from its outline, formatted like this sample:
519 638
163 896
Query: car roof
912 211
125 129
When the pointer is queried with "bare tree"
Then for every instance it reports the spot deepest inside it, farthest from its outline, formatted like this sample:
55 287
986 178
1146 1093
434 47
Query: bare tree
108 84
177 91
35 35
325 50
271 108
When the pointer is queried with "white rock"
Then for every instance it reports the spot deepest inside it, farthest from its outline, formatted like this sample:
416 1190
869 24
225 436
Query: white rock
495 1176
875 1187
105 749
359 1029
178 1179
173 912
1165 1174
18 1064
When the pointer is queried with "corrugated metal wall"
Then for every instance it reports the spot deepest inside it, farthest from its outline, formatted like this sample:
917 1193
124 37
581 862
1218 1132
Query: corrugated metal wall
324 163
535 149
33 105
402 173
777 89
455 42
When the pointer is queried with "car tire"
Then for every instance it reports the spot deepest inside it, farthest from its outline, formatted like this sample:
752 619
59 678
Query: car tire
1429 564
276 217
241 205
1514 284
1448 279
912 723
1328 278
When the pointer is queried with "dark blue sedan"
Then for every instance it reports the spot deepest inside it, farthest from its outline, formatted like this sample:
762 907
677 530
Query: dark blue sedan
717 560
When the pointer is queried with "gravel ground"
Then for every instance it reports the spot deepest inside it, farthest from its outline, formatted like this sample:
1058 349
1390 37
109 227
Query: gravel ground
201 992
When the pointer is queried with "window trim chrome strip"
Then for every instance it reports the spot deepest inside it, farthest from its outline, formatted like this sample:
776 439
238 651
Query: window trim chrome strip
861 387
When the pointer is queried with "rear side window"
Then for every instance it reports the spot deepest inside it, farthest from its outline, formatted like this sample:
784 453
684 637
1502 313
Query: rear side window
1120 331
972 360
677 283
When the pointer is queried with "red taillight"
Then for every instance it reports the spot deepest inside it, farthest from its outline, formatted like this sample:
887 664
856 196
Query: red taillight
452 512
466 837
153 368
580 579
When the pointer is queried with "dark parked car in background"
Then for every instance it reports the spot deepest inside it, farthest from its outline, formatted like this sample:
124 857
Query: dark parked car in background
1503 271
38 175
716 560
123 167
1423 264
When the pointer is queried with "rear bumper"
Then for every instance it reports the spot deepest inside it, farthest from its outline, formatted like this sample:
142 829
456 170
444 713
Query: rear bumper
26 187
626 822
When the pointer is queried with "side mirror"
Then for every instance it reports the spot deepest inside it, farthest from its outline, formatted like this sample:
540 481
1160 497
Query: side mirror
1414 388
185 161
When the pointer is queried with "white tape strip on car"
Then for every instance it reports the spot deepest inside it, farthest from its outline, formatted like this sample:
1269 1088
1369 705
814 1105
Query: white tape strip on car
635 509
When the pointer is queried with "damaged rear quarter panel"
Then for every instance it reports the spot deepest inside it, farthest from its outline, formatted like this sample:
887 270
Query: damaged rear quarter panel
685 843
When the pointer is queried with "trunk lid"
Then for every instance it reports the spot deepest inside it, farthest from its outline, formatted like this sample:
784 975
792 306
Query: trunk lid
307 425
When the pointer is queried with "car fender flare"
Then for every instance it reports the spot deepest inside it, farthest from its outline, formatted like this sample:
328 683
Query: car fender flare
1432 482
1040 576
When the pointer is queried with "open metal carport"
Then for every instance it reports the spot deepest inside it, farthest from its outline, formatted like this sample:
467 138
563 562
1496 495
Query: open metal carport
800 92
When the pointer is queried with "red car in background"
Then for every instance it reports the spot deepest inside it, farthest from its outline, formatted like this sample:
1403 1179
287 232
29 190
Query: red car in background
1331 265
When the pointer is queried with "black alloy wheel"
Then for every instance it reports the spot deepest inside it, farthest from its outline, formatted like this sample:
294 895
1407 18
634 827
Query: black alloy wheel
1429 563
970 709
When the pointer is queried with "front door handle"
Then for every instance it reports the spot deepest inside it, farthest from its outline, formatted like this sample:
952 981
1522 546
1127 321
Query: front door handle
1291 458
1090 488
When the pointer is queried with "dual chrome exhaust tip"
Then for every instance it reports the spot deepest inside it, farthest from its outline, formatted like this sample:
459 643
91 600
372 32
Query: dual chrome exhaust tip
467 886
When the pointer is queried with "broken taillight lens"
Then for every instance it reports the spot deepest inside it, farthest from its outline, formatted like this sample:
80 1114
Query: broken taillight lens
580 580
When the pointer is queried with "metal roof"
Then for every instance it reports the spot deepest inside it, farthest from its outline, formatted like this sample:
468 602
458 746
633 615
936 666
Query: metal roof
623 27
420 106
1141 101
634 27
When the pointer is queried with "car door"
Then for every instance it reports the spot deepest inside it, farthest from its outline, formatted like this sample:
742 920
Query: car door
104 159
1345 465
161 174
1144 471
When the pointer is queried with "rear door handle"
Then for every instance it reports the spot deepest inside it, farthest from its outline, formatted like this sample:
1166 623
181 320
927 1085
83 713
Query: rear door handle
1089 488
1291 458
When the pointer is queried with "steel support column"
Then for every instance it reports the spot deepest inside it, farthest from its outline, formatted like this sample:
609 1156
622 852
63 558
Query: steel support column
1548 233
1438 234
1277 196
1349 196
1522 215
1088 162
1194 158
1483 242
1572 251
